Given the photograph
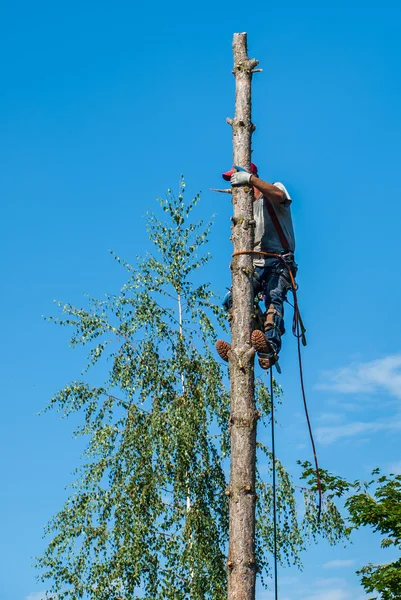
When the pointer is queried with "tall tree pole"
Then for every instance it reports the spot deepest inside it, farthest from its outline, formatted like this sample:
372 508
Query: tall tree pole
241 563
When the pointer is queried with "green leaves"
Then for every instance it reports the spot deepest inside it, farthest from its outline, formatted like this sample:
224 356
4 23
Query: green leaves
382 512
148 513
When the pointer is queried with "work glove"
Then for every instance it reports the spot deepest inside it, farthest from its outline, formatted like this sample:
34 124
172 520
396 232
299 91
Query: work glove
240 178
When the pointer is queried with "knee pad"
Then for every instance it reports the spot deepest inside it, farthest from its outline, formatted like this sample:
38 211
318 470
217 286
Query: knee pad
228 302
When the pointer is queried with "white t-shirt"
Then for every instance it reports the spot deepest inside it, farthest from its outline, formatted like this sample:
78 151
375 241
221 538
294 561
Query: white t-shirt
266 237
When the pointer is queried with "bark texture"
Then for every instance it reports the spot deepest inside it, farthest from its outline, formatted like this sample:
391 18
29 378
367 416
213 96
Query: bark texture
242 497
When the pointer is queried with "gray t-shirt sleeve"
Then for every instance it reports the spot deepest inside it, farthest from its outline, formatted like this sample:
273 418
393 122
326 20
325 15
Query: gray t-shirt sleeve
282 187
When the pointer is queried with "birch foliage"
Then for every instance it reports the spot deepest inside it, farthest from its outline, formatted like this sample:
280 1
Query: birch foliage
147 516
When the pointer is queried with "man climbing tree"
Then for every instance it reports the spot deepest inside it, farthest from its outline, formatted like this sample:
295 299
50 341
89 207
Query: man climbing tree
274 234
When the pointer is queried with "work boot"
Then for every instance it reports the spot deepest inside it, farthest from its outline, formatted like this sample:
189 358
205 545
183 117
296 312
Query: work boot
266 353
223 348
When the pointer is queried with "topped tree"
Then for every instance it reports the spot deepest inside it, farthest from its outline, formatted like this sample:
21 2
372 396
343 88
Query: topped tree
243 415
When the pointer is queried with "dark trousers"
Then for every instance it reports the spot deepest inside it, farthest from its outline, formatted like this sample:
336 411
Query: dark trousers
273 281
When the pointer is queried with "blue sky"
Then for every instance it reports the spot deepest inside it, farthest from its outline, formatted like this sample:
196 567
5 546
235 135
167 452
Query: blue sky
102 107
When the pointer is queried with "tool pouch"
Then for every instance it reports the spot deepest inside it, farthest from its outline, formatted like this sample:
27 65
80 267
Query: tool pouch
270 317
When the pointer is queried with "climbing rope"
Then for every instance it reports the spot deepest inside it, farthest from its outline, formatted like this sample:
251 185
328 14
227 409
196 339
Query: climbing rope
301 376
274 488
298 330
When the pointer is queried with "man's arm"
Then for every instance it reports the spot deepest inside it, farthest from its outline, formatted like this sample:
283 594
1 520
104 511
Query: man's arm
272 192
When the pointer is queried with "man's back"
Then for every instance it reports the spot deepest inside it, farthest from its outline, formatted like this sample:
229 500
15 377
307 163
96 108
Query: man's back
266 236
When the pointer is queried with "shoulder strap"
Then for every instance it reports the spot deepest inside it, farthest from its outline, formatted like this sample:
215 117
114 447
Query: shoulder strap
276 223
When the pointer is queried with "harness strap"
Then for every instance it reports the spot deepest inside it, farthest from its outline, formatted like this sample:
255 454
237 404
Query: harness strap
281 257
277 224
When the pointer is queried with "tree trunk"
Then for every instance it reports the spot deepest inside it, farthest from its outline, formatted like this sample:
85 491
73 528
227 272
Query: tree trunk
241 564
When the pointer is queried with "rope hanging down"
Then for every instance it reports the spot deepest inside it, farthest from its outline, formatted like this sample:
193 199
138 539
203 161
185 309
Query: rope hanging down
298 330
274 488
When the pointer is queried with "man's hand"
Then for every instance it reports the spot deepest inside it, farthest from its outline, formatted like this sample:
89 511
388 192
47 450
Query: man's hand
240 178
